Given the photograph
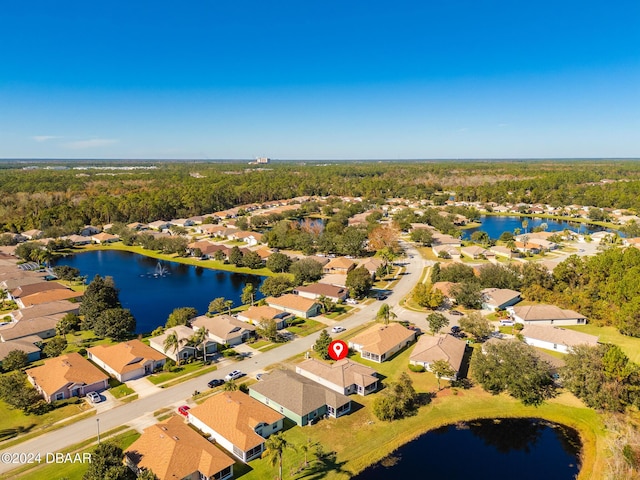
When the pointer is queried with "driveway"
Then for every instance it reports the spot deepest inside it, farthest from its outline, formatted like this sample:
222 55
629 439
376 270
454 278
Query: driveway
143 387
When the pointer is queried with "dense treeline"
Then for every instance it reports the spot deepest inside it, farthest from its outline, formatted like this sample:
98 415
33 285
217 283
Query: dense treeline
68 198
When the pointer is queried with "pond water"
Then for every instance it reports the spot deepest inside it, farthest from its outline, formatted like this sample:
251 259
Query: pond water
496 225
522 448
152 289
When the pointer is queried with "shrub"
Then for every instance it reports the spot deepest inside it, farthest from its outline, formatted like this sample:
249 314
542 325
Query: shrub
83 352
417 368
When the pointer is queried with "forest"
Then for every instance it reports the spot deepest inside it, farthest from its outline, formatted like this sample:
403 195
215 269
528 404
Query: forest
67 198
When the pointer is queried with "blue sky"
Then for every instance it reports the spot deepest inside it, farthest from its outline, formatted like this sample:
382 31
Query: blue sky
319 80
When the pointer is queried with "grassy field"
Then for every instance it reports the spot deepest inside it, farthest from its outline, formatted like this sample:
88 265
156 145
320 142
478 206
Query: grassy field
629 345
212 264
121 391
350 436
307 328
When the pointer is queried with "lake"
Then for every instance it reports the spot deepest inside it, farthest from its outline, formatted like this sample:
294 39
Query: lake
522 448
496 225
152 292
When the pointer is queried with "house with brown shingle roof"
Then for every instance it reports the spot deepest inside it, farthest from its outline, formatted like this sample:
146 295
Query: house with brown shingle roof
344 376
299 398
31 288
67 376
224 329
381 342
43 327
48 296
556 339
545 315
26 345
238 423
314 291
173 450
185 350
255 315
127 360
499 298
295 304
105 238
340 265
45 309
428 349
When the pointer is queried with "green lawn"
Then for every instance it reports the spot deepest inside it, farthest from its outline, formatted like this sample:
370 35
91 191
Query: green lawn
191 369
121 391
629 345
307 328
73 471
84 339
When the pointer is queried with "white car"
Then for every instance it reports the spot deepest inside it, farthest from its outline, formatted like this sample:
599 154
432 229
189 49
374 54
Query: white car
351 301
233 375
94 397
338 329
507 323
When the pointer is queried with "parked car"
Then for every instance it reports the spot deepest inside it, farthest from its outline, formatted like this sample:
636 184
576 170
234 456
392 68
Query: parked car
184 410
382 296
216 382
234 375
414 328
456 312
94 397
455 329
507 323
259 376
351 301
338 329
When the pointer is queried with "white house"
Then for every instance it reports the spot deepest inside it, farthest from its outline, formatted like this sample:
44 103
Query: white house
556 339
545 315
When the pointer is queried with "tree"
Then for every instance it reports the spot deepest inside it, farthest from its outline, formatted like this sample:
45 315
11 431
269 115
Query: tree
100 295
514 367
235 256
55 346
228 304
525 225
397 401
248 294
252 260
69 323
442 369
15 360
275 447
276 285
480 237
422 236
326 304
18 393
359 282
146 474
65 272
200 337
115 323
172 342
384 237
106 464
181 316
476 325
321 347
306 270
467 293
217 305
385 314
267 329
437 322
278 262
220 256
230 386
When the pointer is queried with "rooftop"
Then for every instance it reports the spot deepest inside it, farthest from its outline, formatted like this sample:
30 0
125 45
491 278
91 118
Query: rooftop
380 339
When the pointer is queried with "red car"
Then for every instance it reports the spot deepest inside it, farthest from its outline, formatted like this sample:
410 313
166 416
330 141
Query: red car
184 410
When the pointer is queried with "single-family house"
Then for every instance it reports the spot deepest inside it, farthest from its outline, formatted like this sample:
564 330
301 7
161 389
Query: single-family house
314 291
42 327
429 349
341 265
160 225
127 360
31 288
182 222
224 329
295 304
137 226
381 342
196 219
27 345
444 239
474 252
45 309
105 237
500 251
210 229
89 230
173 450
446 251
337 279
298 398
238 423
499 298
344 376
32 234
250 238
47 296
527 247
67 376
183 350
546 315
556 339
255 315
372 264
77 239
445 289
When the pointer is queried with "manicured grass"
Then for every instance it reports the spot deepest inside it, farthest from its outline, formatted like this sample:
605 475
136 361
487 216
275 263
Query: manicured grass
84 339
212 264
359 439
307 328
259 344
74 471
629 345
338 311
121 391
191 369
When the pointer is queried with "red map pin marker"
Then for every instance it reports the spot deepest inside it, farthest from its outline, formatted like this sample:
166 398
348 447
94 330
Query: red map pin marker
338 350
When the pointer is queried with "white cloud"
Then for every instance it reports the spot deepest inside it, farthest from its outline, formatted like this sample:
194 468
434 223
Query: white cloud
92 143
44 138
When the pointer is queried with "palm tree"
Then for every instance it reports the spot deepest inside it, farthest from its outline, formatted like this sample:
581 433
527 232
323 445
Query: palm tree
230 386
228 304
275 447
516 231
525 225
172 342
385 314
200 338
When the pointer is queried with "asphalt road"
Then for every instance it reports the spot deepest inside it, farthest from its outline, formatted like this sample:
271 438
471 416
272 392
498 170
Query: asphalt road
139 413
